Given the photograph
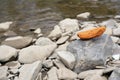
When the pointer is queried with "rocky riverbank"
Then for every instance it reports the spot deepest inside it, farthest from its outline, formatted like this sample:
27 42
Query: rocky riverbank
62 55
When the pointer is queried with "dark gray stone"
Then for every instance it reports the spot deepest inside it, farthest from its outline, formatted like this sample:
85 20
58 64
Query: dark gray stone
115 75
91 53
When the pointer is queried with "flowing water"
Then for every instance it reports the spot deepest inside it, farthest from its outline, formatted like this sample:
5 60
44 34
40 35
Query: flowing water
30 14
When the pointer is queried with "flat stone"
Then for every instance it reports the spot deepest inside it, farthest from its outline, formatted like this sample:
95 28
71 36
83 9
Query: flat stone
5 26
18 41
33 53
90 73
67 58
68 24
91 53
3 73
62 40
66 74
30 71
52 74
7 53
56 33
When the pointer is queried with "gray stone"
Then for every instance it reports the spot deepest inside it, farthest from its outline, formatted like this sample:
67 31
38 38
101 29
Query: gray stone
83 15
34 53
5 26
68 24
42 41
67 58
56 33
13 64
115 75
90 73
52 74
116 32
108 70
96 77
66 74
115 39
7 53
18 41
39 77
62 40
30 71
58 64
91 53
3 73
10 34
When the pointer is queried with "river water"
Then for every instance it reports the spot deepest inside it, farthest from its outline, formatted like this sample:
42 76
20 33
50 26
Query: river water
30 14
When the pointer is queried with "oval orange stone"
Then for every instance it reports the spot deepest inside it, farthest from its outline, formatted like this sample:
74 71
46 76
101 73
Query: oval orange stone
92 33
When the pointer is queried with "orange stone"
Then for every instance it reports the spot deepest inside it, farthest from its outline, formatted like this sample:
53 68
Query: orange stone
92 33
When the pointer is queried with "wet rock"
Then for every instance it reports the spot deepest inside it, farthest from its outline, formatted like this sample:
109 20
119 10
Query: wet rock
52 74
115 75
37 31
96 77
10 34
42 41
34 53
68 24
67 58
85 15
48 63
90 73
62 40
13 64
7 53
5 26
3 73
66 74
56 33
91 53
115 39
30 71
116 32
18 41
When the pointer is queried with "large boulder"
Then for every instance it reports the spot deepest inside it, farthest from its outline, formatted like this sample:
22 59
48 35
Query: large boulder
34 53
115 74
18 41
91 53
7 53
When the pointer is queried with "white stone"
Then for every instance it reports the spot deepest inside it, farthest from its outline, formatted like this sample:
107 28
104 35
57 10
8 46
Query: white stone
62 40
18 41
84 15
37 31
7 52
34 53
3 73
116 32
56 33
13 64
66 74
48 63
58 64
67 58
116 56
68 24
117 17
5 26
115 39
42 41
30 71
52 74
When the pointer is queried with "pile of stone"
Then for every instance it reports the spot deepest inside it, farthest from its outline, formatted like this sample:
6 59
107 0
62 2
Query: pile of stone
62 55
